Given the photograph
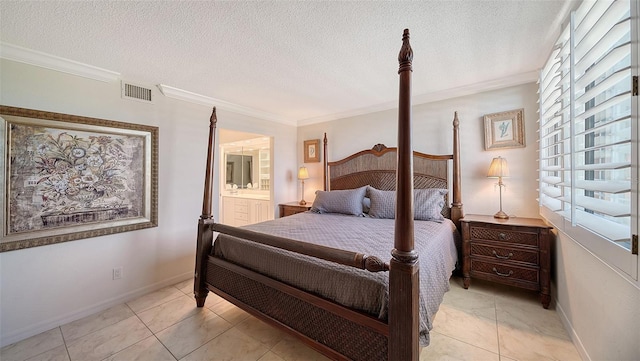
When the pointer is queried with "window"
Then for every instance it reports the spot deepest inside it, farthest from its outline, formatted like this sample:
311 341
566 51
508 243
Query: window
588 147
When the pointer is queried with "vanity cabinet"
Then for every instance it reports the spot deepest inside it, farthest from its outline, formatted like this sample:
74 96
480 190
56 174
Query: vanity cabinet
258 210
240 211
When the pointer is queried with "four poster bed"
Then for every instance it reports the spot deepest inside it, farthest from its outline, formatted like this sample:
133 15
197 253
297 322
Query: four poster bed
299 274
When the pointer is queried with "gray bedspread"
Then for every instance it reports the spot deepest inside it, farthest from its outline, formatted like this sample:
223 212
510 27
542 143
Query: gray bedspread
436 244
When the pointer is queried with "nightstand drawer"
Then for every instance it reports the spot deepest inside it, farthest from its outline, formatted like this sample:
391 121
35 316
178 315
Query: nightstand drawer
497 270
504 253
288 209
504 235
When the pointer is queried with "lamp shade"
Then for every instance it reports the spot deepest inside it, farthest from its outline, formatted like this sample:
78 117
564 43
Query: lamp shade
498 168
303 173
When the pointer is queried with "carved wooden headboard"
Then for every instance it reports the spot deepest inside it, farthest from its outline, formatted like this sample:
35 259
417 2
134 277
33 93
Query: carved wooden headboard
377 167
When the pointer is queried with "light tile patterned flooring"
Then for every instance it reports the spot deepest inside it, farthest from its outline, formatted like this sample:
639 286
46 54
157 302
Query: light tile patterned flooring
485 322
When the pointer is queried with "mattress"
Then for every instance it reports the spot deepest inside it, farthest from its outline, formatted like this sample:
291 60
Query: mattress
436 243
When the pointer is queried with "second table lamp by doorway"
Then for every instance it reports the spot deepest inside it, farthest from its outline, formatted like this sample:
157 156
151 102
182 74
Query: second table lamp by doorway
302 175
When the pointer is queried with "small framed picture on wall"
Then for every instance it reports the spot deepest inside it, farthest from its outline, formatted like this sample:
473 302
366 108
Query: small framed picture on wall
504 130
312 151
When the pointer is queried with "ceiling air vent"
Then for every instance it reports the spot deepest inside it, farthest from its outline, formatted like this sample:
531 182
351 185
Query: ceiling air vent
136 92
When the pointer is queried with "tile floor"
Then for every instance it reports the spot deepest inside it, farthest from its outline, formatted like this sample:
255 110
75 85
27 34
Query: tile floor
485 322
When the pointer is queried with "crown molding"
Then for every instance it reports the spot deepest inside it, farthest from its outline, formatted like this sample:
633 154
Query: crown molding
518 79
501 83
56 63
180 94
48 61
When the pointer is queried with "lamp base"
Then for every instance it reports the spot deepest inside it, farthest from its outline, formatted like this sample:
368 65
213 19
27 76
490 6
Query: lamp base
501 215
302 202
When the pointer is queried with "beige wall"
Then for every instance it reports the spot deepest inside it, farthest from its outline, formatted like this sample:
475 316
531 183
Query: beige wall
432 133
599 306
44 287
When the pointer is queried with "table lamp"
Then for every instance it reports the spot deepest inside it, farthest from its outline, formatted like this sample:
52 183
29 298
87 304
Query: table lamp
302 175
499 169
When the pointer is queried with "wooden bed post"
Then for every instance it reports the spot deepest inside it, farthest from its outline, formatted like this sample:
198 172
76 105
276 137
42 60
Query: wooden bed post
205 234
325 163
403 274
456 205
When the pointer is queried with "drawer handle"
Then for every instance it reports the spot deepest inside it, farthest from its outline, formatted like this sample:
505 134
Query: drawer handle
502 257
503 274
502 236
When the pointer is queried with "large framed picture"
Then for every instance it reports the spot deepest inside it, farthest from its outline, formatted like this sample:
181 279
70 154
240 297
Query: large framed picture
504 130
67 177
312 151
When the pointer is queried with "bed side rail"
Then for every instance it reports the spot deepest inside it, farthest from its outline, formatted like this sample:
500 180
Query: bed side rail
347 258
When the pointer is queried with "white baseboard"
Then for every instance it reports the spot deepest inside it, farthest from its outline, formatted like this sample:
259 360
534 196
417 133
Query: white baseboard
572 333
32 330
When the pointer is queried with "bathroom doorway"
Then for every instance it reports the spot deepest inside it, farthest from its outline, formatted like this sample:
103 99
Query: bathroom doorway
245 178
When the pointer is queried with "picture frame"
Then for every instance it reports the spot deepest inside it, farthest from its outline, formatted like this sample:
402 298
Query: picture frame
504 130
312 151
66 177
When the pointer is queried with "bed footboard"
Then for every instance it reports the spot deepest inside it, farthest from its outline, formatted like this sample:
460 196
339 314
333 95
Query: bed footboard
330 328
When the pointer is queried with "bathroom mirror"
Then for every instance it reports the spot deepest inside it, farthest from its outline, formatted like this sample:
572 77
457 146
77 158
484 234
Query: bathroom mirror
239 170
246 164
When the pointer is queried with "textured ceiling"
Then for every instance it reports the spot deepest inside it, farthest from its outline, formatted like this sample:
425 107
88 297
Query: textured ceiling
295 60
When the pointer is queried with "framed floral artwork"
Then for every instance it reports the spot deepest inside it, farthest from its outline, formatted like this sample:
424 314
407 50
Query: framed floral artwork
312 151
504 130
67 177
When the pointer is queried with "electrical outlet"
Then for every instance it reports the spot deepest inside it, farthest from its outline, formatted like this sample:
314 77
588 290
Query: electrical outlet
117 273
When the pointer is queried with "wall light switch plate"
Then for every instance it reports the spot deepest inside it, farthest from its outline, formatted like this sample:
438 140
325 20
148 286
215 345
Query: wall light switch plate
117 273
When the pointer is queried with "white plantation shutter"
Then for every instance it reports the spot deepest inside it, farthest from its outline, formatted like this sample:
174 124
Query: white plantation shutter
587 149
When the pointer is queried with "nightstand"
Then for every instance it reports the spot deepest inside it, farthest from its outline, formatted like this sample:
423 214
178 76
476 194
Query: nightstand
514 251
287 209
